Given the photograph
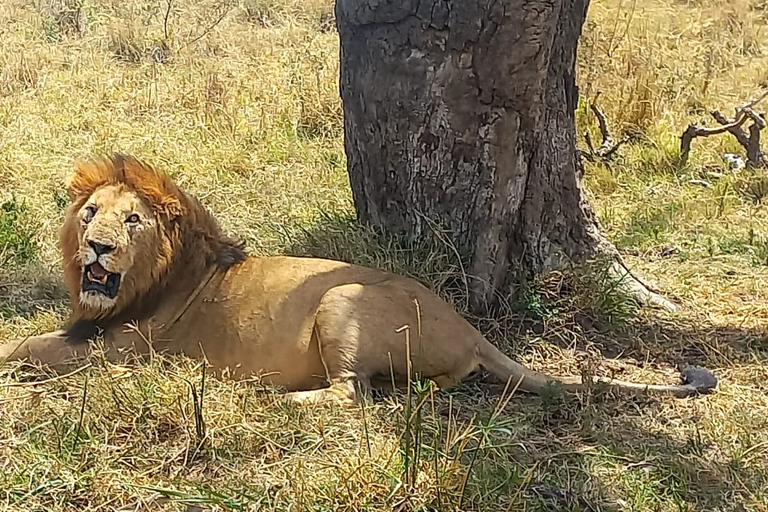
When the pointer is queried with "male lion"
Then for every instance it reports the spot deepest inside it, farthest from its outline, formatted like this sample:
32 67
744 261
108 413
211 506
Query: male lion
136 248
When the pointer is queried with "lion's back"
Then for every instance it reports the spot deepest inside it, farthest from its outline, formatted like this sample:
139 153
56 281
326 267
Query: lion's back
285 291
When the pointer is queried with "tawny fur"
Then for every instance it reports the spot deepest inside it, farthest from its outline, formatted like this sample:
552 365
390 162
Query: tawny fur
313 326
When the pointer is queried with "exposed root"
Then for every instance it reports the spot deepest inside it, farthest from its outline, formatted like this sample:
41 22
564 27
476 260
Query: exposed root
632 285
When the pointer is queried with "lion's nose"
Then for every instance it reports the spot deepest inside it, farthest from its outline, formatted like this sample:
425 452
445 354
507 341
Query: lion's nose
100 248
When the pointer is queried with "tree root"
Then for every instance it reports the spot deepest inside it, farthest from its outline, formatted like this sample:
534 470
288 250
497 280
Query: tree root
637 289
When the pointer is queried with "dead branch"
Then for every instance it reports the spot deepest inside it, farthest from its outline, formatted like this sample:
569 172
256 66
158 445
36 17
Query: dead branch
755 156
602 122
736 131
165 19
608 146
589 155
748 106
695 130
758 119
611 150
749 141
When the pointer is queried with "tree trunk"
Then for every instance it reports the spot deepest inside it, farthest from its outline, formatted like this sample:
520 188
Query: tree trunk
461 113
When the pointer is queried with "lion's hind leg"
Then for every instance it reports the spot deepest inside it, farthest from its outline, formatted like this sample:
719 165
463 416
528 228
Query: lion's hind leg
374 332
339 336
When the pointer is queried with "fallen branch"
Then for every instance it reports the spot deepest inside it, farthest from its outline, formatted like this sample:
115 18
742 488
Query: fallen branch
749 141
735 130
602 123
755 156
755 101
695 130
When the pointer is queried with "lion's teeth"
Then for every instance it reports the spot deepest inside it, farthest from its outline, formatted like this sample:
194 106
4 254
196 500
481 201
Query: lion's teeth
101 280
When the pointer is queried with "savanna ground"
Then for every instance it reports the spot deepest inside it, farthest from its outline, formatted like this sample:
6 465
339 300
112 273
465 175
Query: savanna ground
239 102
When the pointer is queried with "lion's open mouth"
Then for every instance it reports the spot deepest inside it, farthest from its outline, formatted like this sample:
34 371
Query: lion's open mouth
98 279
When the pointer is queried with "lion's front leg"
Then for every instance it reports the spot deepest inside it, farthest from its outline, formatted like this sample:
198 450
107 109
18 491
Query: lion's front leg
54 349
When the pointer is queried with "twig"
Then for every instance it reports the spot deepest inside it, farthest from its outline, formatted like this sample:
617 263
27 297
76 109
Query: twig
165 20
82 415
208 29
134 326
755 101
197 404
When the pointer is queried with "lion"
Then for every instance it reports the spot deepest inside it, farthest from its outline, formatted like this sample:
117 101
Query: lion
149 270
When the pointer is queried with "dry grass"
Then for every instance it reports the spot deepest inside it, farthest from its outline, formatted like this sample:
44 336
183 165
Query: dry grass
239 102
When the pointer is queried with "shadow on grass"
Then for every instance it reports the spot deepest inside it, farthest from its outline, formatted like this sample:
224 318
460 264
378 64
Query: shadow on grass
591 453
26 284
27 289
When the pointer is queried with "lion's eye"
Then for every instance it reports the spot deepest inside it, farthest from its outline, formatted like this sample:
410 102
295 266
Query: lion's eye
89 214
132 219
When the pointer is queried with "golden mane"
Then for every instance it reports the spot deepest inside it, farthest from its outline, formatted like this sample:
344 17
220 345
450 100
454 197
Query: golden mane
155 187
190 239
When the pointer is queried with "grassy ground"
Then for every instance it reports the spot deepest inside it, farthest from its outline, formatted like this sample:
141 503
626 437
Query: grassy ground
241 106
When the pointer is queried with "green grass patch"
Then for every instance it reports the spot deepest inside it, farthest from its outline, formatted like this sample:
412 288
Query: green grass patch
17 233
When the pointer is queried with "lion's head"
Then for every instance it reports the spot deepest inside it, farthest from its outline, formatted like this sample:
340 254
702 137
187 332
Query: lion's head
129 232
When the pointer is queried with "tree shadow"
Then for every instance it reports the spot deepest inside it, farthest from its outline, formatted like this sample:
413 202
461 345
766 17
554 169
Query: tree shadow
681 341
589 452
593 452
610 453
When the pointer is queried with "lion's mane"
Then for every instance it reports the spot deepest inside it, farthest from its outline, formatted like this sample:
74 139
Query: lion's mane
189 240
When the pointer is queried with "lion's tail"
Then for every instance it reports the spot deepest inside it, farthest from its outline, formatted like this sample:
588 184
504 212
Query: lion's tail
701 381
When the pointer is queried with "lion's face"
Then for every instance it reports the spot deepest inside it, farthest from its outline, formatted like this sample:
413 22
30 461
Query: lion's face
129 234
117 231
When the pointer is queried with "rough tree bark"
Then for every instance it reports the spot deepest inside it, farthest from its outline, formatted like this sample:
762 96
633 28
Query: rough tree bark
462 112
